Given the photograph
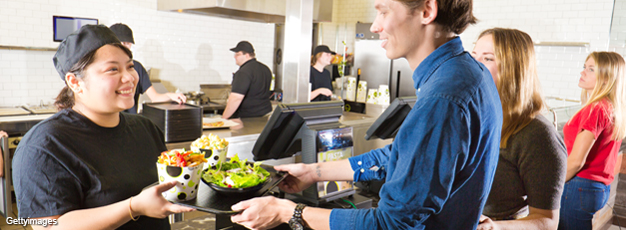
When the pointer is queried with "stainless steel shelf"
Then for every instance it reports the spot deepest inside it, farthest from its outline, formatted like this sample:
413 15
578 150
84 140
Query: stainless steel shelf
27 48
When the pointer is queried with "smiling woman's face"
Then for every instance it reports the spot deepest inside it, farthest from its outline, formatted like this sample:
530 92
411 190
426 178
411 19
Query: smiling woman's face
484 53
109 83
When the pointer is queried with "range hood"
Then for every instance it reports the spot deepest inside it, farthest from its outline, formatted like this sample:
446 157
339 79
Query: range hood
270 11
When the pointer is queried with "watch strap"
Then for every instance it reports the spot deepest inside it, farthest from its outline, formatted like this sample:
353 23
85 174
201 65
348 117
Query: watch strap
297 212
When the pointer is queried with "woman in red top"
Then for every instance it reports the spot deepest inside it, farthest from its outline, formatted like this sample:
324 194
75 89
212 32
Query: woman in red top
593 137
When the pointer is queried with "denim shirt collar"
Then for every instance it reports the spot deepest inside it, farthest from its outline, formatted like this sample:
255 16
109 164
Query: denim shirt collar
428 66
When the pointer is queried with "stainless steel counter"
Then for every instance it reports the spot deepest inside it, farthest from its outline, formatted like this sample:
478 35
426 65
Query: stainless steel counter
242 137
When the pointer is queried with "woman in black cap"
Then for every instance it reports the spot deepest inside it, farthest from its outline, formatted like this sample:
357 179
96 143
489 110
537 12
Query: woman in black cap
321 82
85 167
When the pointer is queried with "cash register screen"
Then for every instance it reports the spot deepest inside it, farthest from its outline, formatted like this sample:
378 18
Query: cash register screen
388 123
279 136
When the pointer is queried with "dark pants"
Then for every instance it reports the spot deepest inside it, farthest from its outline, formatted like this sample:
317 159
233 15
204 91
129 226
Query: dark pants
581 199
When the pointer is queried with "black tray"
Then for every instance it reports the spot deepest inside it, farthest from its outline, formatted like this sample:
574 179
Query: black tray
208 200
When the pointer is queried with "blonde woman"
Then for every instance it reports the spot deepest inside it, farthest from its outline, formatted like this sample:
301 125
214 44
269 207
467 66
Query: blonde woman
592 137
531 169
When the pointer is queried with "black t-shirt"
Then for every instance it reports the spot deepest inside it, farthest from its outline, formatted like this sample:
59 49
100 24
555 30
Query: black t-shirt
320 80
143 85
67 162
253 80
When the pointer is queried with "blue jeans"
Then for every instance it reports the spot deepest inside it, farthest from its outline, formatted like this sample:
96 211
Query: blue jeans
581 199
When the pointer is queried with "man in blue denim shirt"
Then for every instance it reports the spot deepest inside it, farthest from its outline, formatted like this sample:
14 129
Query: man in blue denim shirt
439 169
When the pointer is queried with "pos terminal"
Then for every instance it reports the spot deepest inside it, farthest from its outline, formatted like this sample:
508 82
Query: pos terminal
313 130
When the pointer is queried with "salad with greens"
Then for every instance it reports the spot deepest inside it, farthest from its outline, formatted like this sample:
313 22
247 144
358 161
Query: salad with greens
236 173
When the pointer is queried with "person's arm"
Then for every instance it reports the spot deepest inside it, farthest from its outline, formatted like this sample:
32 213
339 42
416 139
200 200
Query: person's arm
158 97
234 100
580 150
149 202
301 176
317 92
267 212
536 219
281 212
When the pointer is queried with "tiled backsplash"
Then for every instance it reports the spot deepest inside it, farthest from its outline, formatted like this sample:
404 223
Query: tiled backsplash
185 50
555 21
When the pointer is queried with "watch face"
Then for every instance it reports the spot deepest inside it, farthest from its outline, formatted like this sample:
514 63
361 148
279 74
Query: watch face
295 224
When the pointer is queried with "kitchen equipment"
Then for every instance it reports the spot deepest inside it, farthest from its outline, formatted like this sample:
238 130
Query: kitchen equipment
196 97
179 122
217 93
41 109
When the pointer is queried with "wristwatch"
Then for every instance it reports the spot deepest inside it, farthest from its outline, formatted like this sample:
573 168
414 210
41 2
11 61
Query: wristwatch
296 222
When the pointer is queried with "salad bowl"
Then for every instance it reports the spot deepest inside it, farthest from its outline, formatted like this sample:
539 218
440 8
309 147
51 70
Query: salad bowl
236 177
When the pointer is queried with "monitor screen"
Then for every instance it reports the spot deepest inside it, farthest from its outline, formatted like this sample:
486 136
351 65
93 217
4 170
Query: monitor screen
279 136
388 123
64 26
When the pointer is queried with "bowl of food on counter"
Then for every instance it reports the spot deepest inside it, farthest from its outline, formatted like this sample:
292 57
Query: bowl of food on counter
213 147
183 166
236 176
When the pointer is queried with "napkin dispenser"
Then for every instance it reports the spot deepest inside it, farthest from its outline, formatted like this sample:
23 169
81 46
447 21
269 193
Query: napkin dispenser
179 122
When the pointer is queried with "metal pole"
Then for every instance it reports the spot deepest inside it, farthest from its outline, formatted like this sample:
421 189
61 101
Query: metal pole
297 50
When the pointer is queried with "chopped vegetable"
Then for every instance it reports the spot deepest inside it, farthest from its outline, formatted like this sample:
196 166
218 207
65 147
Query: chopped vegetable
236 174
211 141
181 158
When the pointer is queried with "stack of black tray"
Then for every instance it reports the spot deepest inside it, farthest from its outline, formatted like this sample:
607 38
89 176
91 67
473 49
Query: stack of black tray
179 122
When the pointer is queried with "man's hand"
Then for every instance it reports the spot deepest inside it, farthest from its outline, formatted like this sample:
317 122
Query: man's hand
300 177
485 223
263 212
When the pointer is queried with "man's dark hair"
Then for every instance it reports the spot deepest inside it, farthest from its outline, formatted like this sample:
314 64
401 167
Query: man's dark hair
453 15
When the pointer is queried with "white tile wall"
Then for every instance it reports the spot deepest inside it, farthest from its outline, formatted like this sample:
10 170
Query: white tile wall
184 50
587 21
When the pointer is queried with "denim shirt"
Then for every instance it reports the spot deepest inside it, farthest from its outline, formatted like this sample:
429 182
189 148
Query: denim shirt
439 169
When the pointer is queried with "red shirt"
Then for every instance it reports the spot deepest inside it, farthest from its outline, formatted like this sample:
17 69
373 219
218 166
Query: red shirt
597 119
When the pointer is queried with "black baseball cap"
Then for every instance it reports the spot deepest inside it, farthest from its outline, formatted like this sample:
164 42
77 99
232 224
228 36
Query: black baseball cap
78 44
244 46
322 48
123 32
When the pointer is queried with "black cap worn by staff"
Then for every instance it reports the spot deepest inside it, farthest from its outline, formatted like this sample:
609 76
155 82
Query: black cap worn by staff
123 32
244 46
322 48
78 44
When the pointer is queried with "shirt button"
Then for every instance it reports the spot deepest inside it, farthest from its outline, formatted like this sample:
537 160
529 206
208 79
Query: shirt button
359 163
362 170
419 89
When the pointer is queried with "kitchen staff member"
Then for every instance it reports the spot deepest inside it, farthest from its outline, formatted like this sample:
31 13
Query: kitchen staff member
321 82
528 184
439 168
125 34
86 166
250 94
593 137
